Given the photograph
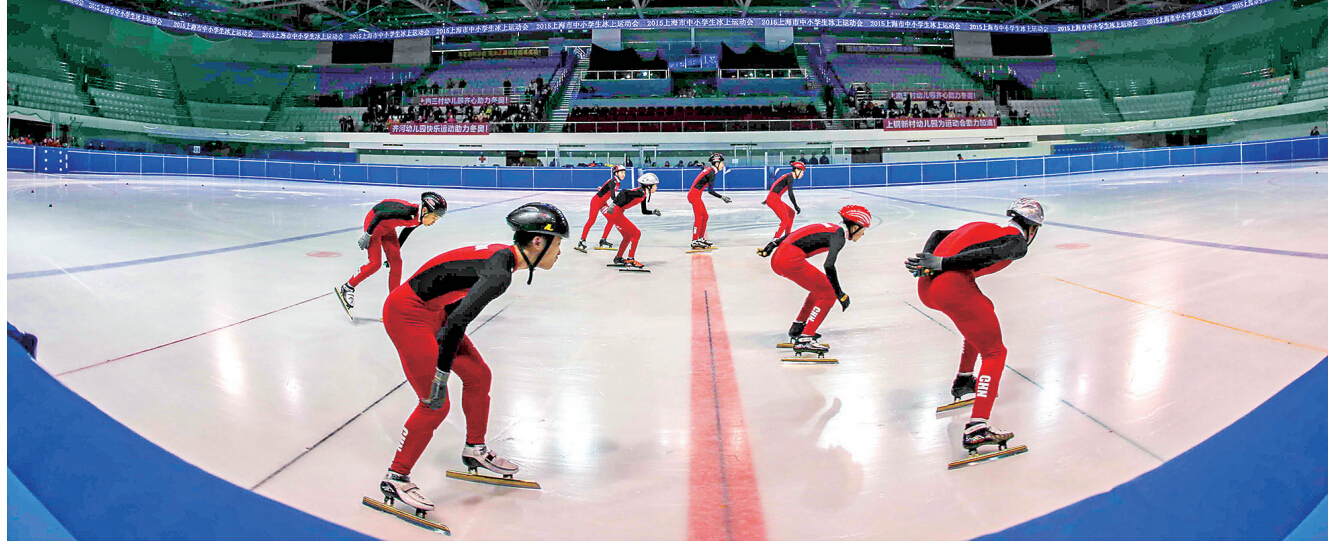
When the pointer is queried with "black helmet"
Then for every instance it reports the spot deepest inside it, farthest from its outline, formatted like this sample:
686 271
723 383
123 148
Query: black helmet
716 157
433 203
539 218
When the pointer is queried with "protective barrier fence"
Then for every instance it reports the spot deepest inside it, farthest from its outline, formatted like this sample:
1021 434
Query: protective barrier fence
56 160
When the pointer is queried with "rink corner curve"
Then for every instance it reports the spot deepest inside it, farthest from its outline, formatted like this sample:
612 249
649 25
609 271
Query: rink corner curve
1260 478
64 451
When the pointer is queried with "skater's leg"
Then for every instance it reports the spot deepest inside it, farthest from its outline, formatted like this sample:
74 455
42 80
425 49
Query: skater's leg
968 358
392 249
820 297
375 262
607 228
977 321
595 205
785 214
476 379
700 216
411 329
631 236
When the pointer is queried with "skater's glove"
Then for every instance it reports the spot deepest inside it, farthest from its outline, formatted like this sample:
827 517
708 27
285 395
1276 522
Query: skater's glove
843 302
364 241
727 200
387 264
657 213
797 210
437 391
924 264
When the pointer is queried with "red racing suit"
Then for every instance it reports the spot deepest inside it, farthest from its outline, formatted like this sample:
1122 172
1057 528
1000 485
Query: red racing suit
382 223
790 261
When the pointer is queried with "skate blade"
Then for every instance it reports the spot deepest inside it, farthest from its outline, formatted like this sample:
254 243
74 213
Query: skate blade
635 270
980 458
606 248
343 305
790 345
498 481
953 406
578 249
803 361
706 250
412 519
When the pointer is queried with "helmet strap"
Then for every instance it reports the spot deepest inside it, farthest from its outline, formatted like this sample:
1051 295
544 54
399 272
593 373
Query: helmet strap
531 278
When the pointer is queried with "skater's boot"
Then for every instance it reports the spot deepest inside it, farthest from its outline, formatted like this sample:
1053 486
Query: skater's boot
479 456
978 433
605 244
964 387
618 261
581 246
795 331
706 242
698 244
769 248
346 294
633 263
396 486
806 343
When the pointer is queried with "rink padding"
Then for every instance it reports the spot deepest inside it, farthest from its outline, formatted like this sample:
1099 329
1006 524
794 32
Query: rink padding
1257 479
102 481
737 177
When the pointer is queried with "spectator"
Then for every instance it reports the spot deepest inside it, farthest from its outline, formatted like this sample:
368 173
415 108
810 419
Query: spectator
968 111
482 159
1026 117
562 58
824 159
507 87
961 156
1314 131
629 162
461 84
802 159
666 164
981 113
451 84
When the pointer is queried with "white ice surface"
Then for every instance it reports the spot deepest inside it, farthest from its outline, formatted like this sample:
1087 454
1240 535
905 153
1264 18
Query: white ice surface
592 366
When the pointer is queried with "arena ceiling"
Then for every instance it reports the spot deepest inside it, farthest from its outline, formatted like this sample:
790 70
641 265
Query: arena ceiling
353 15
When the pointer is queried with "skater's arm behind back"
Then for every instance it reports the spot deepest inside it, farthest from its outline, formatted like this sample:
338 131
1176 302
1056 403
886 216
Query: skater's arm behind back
492 282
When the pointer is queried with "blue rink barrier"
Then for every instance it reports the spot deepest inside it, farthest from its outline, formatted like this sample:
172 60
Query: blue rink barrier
28 158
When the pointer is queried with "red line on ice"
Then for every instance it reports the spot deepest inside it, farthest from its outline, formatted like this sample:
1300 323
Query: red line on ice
724 503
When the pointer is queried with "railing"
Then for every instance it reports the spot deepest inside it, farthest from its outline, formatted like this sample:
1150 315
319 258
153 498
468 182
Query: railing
762 125
783 73
617 75
135 85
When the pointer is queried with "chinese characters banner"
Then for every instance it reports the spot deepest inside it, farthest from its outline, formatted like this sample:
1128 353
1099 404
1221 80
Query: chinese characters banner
940 123
947 95
442 129
463 100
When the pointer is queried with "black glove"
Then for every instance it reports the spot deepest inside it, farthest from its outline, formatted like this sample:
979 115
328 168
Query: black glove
387 264
657 213
726 199
437 390
364 241
797 210
843 302
924 264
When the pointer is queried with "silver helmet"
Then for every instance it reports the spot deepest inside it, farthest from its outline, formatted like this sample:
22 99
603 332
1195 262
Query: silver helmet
1027 208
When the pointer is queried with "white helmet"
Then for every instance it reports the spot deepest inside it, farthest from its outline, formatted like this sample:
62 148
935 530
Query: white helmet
1027 208
648 179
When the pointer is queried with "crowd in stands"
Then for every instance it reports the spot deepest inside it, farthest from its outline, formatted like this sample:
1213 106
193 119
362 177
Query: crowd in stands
385 108
677 119
908 109
47 142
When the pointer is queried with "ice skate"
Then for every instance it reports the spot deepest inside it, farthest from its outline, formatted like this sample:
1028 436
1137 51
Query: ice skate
964 391
633 265
581 246
807 344
701 244
605 245
979 434
346 295
397 487
479 456
618 262
794 332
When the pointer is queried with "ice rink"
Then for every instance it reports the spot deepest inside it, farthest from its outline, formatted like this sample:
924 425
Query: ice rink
1153 310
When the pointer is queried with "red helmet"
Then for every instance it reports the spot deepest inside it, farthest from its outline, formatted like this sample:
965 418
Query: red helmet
857 215
798 165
